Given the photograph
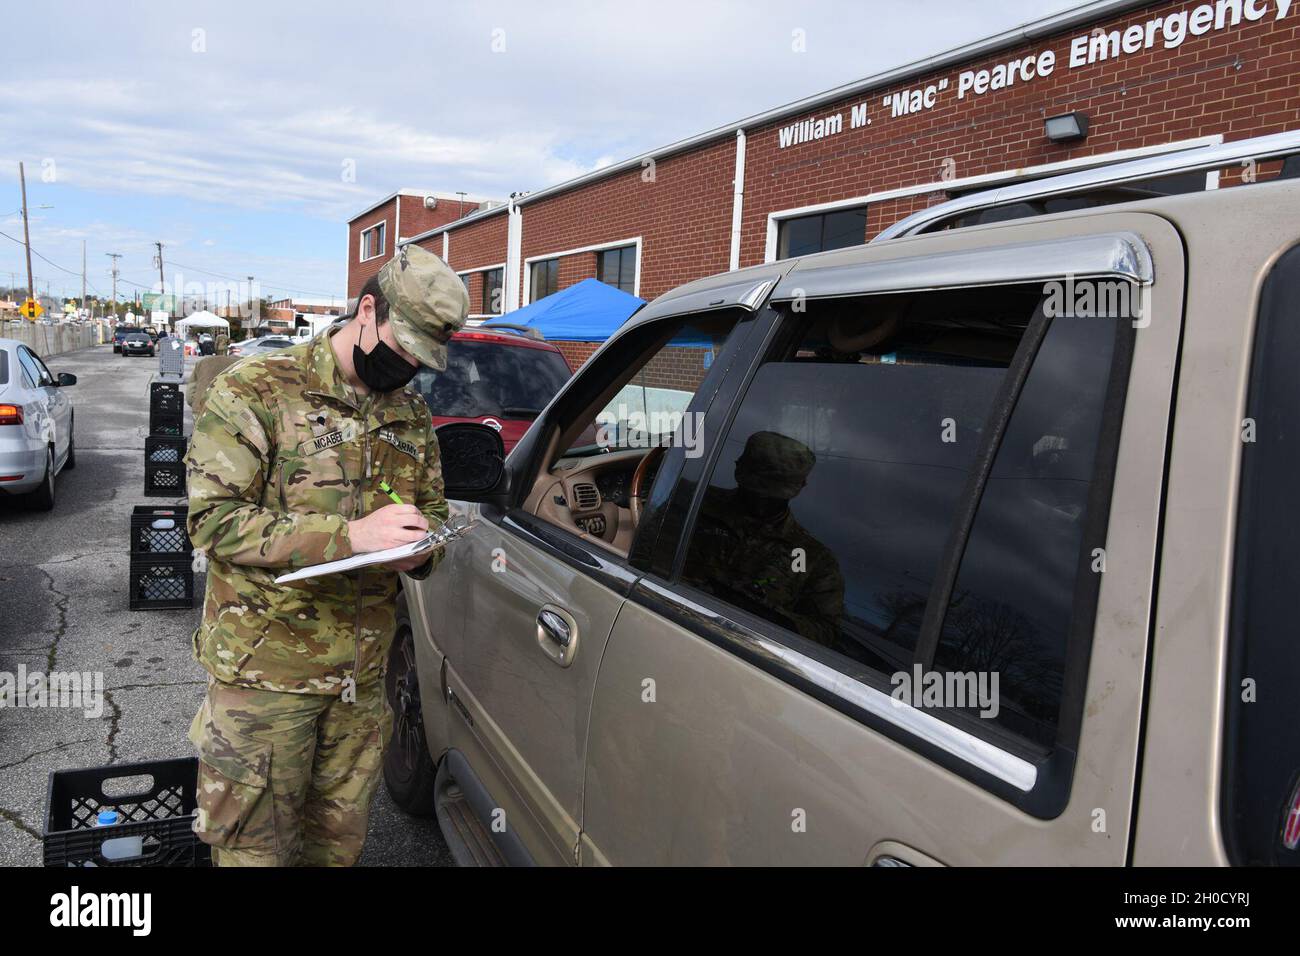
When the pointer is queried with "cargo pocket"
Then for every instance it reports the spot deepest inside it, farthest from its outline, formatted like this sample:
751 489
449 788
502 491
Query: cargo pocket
236 808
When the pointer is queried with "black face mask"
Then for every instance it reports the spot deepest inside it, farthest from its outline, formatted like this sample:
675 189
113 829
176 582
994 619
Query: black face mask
381 369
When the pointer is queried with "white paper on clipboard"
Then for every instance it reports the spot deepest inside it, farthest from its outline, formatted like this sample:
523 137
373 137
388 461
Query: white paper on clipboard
430 541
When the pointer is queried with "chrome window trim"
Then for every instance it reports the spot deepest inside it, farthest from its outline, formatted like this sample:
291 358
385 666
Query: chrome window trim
1204 158
952 740
748 295
1116 255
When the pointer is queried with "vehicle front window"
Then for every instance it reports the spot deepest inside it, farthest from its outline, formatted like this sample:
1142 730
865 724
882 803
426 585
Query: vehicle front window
649 410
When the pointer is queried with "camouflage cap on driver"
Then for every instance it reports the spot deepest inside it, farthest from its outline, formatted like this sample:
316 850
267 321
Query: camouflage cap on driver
774 465
427 302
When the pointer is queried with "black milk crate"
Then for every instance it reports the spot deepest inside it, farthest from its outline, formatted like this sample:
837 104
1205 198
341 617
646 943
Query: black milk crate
166 426
164 479
160 530
160 583
159 811
164 450
165 403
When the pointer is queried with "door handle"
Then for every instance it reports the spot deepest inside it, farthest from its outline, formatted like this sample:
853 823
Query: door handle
556 627
557 634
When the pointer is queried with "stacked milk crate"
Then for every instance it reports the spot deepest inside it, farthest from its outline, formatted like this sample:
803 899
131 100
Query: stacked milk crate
162 574
164 449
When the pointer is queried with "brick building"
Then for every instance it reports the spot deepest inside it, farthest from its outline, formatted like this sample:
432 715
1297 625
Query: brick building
374 232
835 168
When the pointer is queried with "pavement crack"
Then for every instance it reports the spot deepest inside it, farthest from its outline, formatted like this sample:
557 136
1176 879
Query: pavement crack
61 620
10 817
114 725
47 750
79 557
174 683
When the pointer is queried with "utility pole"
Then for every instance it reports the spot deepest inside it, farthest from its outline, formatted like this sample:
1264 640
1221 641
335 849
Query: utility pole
161 280
82 303
114 256
27 239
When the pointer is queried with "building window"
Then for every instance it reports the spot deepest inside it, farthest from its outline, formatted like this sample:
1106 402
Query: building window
492 299
545 279
804 235
372 241
617 267
464 278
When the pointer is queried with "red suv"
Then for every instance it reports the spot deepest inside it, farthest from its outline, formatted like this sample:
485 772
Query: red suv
502 377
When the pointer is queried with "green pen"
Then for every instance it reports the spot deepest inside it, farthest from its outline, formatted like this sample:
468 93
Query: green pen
387 489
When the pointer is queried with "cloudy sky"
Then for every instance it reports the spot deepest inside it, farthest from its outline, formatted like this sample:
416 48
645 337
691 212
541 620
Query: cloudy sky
226 130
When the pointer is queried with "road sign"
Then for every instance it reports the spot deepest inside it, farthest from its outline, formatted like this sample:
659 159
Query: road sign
32 309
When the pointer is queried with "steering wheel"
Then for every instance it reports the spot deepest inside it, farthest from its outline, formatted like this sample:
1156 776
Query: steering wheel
640 489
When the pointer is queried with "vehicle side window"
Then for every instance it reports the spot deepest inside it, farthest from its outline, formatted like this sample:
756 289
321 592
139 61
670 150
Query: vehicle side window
45 376
835 505
27 361
1261 768
650 409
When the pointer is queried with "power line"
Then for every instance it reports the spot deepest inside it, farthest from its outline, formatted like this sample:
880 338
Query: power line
45 259
269 285
180 265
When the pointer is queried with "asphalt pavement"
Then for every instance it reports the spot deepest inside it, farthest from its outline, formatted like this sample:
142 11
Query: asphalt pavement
63 607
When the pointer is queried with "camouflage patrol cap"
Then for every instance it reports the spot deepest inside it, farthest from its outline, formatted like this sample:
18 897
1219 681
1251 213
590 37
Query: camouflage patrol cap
774 465
427 302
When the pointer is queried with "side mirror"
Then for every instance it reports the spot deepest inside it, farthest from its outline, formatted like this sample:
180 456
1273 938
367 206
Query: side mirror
67 378
473 458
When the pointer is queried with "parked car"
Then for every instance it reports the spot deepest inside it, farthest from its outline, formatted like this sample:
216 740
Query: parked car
261 343
36 426
974 546
138 343
121 332
497 377
269 343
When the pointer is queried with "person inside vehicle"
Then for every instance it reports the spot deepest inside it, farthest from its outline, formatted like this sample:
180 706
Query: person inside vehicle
750 551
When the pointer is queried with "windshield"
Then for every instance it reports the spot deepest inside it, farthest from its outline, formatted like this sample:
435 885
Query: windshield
484 378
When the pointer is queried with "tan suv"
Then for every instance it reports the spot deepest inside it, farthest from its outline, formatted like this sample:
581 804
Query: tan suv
970 546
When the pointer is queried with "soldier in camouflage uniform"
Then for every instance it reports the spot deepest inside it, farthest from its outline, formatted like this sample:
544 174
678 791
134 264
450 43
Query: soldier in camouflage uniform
749 550
284 470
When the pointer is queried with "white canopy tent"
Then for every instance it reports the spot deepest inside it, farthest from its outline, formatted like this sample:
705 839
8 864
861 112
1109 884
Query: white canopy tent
200 320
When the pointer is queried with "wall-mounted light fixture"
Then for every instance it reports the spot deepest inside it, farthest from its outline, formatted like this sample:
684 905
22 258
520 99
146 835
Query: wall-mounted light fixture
1066 127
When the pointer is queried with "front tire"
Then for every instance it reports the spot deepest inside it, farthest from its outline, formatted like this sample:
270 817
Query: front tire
409 770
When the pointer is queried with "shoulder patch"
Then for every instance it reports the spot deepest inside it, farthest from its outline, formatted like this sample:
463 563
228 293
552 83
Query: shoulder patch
401 444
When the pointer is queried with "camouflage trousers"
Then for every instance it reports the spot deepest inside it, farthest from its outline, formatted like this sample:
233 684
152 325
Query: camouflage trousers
287 779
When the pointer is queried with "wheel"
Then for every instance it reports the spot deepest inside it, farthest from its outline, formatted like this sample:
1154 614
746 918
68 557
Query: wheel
71 461
409 770
42 499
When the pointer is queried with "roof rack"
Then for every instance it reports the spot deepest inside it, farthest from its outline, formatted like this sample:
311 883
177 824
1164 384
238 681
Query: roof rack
1192 160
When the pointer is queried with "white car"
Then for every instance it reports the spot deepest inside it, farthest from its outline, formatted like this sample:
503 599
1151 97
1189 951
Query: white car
36 425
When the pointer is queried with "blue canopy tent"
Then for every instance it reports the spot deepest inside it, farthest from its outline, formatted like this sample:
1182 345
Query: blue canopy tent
590 311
